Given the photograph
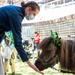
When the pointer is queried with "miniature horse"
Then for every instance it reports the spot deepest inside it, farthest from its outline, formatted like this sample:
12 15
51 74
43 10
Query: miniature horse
52 53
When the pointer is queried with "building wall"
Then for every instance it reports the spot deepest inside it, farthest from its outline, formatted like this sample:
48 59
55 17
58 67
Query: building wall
65 29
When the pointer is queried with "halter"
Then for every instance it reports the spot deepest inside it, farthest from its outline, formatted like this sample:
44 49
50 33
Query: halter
47 63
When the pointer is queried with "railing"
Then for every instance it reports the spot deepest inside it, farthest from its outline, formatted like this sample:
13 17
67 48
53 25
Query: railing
51 5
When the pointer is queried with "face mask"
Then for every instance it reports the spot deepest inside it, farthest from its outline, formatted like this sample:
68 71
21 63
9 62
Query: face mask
30 17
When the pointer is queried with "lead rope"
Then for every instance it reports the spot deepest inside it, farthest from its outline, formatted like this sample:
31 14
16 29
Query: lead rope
63 71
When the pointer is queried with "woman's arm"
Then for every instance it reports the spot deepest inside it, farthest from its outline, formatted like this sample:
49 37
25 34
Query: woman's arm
34 67
15 22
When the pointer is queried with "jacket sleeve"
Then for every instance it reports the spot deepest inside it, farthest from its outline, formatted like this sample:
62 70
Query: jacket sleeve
15 23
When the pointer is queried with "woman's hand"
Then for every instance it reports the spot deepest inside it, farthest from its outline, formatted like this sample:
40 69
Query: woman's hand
34 67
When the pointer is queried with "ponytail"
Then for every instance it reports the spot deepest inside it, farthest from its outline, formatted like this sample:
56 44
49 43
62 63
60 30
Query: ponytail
22 4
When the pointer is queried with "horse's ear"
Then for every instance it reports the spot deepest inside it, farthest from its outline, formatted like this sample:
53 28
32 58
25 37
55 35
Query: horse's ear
59 38
58 42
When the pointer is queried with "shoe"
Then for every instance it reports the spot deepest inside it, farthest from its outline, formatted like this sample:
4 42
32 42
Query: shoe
5 73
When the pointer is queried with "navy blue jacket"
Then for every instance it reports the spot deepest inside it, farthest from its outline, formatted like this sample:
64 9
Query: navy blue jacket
10 19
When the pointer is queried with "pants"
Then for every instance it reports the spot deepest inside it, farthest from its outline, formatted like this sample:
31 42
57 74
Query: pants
1 65
36 45
12 64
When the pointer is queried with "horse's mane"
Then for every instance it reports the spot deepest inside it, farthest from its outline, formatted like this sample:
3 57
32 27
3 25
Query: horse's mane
67 53
45 43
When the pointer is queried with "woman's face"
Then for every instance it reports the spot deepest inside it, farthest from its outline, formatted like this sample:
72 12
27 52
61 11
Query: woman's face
30 14
35 12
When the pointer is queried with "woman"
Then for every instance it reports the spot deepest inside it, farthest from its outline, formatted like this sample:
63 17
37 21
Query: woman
10 19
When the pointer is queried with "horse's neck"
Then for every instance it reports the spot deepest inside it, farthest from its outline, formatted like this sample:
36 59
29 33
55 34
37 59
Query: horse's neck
66 53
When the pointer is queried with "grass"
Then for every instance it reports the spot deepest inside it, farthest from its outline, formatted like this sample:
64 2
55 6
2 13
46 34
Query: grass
24 69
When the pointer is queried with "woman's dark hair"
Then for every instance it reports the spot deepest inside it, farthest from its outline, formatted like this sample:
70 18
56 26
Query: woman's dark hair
31 4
